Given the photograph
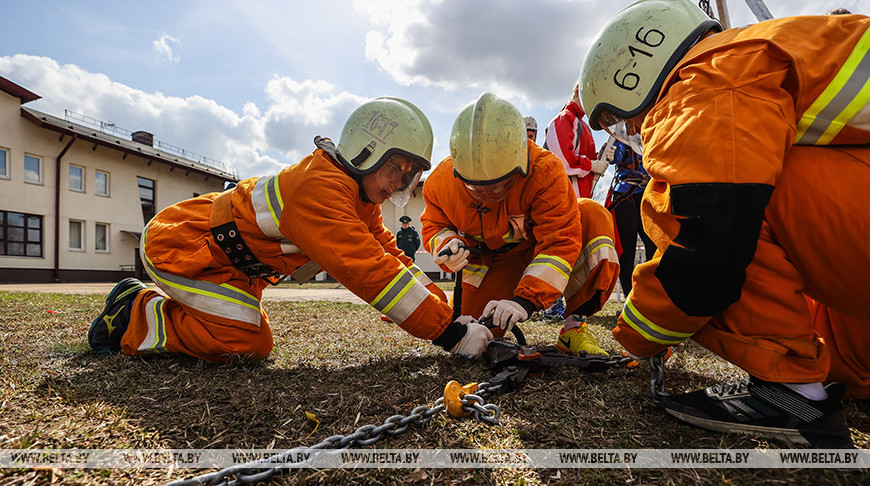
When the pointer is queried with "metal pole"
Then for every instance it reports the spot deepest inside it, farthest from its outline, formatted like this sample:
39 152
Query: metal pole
722 8
759 9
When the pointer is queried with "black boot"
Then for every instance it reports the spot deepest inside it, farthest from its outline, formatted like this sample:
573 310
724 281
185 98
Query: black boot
105 333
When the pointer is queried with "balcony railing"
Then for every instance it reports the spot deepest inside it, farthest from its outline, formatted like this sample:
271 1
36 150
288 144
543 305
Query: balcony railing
111 128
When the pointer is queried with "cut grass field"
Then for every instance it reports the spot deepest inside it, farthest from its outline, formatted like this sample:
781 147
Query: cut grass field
340 362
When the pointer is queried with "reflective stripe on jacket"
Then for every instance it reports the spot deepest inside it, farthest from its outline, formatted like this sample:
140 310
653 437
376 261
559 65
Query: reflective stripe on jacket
311 211
752 94
540 210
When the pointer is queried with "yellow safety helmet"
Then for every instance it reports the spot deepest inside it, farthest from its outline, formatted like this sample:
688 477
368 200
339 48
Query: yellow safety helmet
630 58
383 127
488 142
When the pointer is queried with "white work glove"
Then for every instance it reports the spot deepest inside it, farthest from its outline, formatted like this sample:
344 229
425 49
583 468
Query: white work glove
609 153
465 320
599 166
505 313
458 257
473 344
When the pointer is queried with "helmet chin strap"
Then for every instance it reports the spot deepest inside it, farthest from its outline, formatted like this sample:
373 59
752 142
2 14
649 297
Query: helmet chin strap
363 154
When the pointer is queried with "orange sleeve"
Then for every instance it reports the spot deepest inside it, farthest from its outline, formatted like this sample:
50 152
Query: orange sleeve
552 206
331 224
438 229
714 146
388 241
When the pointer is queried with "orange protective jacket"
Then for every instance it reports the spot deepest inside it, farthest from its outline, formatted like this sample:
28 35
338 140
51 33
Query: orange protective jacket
715 144
311 211
540 210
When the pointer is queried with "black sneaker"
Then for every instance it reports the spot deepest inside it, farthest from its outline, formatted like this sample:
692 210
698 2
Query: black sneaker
105 333
753 406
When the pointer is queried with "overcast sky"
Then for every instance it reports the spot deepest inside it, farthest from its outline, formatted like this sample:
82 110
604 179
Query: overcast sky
252 82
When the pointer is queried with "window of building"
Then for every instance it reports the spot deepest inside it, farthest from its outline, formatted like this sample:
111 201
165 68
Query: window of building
4 163
32 169
146 197
101 183
101 237
20 234
76 235
76 178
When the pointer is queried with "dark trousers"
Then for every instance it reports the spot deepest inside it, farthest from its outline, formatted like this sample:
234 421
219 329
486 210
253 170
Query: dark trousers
628 226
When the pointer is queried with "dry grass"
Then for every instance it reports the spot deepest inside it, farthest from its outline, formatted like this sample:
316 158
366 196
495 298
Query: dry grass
341 362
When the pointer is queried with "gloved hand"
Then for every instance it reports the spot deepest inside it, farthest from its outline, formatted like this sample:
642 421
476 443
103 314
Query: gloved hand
599 166
473 344
465 320
505 313
458 257
609 153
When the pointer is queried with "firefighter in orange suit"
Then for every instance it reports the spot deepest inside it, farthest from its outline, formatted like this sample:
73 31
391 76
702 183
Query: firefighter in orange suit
751 137
213 255
510 202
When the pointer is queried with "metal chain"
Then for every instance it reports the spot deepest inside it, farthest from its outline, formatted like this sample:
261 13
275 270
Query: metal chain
486 389
256 471
488 413
657 380
705 6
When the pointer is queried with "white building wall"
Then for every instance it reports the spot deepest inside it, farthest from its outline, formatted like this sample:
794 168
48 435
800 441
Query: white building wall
24 197
121 210
414 209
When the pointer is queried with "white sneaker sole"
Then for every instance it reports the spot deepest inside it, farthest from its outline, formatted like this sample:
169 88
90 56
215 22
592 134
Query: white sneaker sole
788 435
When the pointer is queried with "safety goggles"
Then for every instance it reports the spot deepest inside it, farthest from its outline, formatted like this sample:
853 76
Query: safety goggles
619 128
402 173
492 193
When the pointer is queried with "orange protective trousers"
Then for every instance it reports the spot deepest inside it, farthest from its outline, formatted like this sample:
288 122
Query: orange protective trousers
506 270
160 325
804 315
205 337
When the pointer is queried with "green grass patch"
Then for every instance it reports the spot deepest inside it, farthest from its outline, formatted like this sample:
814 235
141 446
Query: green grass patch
340 362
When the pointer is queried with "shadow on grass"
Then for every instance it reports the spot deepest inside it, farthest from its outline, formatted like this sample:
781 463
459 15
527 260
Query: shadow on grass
188 403
344 365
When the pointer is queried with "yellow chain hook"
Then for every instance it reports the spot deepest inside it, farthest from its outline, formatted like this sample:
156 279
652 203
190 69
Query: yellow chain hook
453 393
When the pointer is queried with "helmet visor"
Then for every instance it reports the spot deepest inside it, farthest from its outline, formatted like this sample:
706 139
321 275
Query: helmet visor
399 174
623 130
492 193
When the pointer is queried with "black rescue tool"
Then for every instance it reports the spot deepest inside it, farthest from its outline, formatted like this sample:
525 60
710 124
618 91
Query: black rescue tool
497 332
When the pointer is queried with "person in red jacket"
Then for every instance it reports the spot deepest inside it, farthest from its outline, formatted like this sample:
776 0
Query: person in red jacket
509 201
213 255
755 139
570 138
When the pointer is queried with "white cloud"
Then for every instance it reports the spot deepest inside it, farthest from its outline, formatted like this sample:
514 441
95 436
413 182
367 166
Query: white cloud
165 46
440 54
298 111
257 141
528 52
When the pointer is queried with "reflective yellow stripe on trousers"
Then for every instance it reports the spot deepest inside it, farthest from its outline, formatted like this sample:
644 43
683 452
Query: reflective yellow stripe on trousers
846 96
597 250
648 329
218 300
473 274
155 317
550 269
